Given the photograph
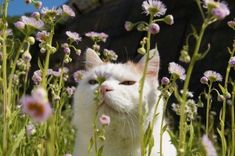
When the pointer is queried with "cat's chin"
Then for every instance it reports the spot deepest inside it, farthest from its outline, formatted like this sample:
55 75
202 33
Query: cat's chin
108 107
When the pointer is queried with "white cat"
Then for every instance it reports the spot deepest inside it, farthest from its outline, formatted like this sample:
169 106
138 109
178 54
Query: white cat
120 95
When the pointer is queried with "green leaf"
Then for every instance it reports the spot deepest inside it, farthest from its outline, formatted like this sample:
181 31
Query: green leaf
191 137
90 145
40 65
223 90
174 139
17 142
163 129
100 151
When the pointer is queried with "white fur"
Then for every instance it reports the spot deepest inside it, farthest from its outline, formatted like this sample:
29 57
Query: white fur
121 104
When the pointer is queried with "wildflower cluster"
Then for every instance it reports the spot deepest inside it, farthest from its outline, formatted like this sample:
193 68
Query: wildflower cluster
41 118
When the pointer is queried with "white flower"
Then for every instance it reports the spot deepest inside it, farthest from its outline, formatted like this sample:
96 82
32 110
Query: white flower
177 70
69 11
97 36
213 76
30 21
154 7
73 36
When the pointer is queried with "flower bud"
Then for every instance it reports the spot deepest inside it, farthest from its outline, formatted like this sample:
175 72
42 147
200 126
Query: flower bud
26 56
141 50
31 40
154 28
67 50
38 4
128 25
28 1
169 19
220 98
204 80
42 50
19 25
232 62
165 81
78 52
36 15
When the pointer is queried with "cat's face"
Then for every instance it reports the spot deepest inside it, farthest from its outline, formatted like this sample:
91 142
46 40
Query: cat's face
119 90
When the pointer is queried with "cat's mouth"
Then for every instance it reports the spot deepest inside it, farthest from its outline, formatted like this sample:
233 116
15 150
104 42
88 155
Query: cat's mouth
109 106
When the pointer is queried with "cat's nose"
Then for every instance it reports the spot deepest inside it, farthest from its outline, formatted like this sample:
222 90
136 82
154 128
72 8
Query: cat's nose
104 89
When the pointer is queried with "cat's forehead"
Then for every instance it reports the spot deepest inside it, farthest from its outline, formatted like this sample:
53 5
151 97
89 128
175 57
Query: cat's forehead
118 71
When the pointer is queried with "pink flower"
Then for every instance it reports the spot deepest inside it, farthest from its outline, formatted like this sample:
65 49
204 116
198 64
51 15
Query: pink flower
38 109
154 28
73 36
154 7
68 11
70 90
37 77
165 81
19 25
232 62
67 50
30 129
221 11
204 80
95 36
104 120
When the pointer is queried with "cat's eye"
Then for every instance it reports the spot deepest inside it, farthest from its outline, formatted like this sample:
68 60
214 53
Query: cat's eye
128 83
92 82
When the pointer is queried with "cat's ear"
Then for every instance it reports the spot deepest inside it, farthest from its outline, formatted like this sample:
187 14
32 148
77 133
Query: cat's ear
153 64
92 59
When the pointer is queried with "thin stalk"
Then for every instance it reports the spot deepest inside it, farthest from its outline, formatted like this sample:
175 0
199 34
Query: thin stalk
208 106
161 128
4 74
233 122
141 88
13 69
182 135
222 123
46 65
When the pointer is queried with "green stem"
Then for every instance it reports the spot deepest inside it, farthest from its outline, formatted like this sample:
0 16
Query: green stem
46 65
208 106
4 74
233 122
141 88
14 68
182 135
222 123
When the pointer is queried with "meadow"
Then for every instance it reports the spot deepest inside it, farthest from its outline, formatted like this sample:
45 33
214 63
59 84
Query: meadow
36 111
